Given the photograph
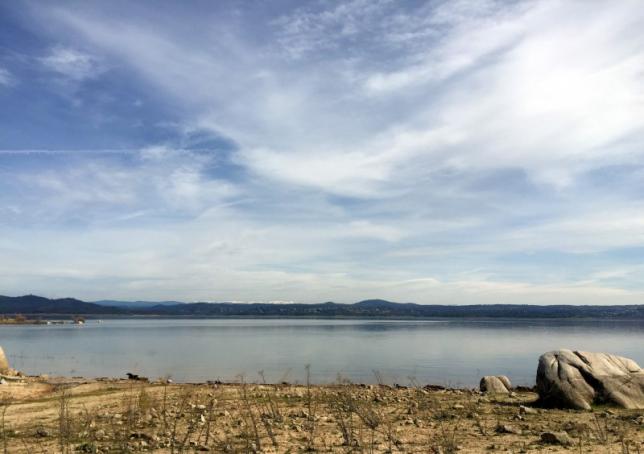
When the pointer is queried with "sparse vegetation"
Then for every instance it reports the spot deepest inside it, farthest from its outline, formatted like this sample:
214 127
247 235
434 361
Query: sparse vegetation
31 304
123 416
4 405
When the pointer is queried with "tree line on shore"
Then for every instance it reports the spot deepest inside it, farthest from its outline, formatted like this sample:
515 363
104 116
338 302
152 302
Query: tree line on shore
37 305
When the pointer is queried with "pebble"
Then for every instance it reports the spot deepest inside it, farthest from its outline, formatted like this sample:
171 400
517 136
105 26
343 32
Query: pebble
556 438
507 429
523 410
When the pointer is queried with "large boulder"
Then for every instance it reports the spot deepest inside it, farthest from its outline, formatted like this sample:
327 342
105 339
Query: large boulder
499 384
574 379
4 364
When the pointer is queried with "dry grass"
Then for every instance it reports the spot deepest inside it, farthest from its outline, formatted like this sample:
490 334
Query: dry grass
123 417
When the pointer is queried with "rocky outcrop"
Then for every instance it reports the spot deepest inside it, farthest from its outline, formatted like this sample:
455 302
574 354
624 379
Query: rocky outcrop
574 379
4 364
499 384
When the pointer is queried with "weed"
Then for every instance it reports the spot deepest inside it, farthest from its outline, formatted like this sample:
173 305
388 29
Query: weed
4 406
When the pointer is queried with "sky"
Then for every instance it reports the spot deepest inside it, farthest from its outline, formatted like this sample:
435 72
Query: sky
437 152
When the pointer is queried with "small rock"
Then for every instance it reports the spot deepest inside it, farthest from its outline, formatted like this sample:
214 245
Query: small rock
4 364
507 429
86 447
556 438
140 436
42 432
495 384
523 410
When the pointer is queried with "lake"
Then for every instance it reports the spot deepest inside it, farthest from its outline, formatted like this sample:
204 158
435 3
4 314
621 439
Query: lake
446 352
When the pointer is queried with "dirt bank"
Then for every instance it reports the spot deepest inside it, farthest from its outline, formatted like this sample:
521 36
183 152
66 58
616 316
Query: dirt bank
78 415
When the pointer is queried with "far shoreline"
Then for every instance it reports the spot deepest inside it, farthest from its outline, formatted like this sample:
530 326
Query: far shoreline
66 317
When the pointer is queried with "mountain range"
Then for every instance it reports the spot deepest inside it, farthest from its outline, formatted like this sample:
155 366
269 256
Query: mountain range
38 305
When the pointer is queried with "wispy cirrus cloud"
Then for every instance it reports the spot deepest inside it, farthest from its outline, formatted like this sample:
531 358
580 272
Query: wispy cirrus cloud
428 151
6 78
72 64
109 185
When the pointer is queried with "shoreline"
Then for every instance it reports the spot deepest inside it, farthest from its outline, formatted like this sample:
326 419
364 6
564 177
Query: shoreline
21 321
100 415
94 317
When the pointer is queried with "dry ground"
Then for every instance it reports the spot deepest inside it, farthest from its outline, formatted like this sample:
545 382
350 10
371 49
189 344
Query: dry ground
65 415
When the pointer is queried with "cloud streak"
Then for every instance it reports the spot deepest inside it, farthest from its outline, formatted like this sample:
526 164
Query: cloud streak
6 79
436 151
71 64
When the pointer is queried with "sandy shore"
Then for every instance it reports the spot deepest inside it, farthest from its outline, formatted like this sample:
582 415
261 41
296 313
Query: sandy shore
47 415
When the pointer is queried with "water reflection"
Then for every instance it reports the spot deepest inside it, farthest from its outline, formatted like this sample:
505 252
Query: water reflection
454 352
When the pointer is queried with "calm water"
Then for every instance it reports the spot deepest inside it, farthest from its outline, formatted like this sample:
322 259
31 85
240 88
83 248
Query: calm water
453 353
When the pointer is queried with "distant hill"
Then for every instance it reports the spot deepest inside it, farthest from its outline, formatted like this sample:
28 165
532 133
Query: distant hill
135 304
31 304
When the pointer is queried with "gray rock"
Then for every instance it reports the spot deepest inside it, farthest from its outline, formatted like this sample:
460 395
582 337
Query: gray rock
567 379
42 432
4 364
499 384
523 410
556 438
507 429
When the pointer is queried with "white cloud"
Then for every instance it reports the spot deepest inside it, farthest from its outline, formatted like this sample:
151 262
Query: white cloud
471 38
549 87
6 78
73 64
379 151
99 187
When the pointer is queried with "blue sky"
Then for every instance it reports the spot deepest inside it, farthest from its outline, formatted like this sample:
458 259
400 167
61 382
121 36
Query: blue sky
452 152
